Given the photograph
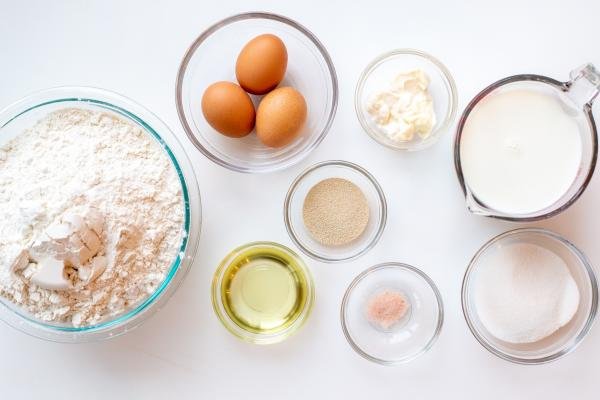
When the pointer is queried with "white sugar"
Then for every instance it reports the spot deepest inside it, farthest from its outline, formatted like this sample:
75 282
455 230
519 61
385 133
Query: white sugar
524 293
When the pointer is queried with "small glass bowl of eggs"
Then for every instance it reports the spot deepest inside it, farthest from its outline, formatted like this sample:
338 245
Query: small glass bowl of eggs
256 92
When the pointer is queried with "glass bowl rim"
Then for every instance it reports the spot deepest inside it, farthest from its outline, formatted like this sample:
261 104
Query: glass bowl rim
451 90
57 95
183 67
335 163
238 331
467 193
393 266
583 263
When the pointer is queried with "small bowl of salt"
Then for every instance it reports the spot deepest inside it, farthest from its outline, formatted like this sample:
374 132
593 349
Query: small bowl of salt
529 296
392 313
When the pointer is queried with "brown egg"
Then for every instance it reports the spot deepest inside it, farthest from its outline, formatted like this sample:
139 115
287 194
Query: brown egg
261 64
280 117
228 109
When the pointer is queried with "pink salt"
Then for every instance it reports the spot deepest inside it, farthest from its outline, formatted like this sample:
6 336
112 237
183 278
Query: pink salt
386 308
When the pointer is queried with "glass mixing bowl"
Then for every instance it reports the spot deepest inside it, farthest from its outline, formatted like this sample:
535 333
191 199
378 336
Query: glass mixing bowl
410 337
378 75
23 114
576 97
212 57
564 340
294 202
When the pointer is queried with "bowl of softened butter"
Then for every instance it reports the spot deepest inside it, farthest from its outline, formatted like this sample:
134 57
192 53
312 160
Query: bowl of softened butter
405 99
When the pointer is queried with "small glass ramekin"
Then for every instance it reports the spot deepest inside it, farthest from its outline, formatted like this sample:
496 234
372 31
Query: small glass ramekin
382 70
231 325
415 336
566 338
294 202
23 114
212 57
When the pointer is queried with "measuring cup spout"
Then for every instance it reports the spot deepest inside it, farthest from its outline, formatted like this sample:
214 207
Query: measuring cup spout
474 206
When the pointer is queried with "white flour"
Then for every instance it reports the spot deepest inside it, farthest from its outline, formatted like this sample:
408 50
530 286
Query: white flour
525 293
92 166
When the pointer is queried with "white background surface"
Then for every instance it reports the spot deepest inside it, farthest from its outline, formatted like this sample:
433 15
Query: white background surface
134 48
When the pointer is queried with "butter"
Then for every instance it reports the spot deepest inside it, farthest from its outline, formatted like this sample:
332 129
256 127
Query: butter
404 108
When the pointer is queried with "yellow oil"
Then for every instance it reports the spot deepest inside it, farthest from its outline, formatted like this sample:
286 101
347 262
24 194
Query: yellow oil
264 290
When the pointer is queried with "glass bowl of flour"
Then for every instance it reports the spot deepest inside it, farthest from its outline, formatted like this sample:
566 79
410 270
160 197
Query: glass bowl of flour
100 214
529 296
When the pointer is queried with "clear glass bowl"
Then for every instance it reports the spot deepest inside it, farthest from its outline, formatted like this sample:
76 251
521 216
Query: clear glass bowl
566 338
212 58
413 335
23 114
239 331
294 202
381 71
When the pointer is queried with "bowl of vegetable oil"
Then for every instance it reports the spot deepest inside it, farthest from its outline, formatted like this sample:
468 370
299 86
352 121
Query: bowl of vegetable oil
262 292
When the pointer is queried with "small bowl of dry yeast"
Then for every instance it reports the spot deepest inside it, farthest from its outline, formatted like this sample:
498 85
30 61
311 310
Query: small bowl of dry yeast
335 211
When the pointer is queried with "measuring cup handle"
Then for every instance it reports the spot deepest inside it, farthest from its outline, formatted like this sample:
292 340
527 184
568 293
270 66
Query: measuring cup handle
584 85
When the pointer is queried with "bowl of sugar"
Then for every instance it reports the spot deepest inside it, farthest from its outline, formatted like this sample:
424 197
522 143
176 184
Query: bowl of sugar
529 296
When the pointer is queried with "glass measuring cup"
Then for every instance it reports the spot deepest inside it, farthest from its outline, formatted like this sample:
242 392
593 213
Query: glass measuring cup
576 97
